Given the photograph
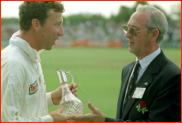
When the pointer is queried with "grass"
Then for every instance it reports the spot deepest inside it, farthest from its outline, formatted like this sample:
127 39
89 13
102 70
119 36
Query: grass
96 71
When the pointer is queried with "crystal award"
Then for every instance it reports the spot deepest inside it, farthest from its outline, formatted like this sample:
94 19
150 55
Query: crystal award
71 104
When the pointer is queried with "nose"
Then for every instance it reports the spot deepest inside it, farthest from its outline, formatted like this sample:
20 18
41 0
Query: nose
61 31
128 34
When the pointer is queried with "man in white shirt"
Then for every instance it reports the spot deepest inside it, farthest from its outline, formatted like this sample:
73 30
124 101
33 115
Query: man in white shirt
155 93
23 88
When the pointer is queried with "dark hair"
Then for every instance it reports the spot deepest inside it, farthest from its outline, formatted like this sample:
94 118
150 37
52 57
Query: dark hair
29 10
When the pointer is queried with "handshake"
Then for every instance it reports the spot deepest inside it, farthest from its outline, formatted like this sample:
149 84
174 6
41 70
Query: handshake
70 107
95 116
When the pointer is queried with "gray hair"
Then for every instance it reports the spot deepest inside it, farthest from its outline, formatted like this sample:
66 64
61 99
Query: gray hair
157 20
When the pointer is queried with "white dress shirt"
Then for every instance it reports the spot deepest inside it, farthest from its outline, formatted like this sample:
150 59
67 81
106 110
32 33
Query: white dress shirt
144 63
23 88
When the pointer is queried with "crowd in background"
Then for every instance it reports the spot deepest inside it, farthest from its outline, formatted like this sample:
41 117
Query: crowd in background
93 32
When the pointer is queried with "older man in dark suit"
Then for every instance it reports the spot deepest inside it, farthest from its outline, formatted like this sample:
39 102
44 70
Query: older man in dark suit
151 86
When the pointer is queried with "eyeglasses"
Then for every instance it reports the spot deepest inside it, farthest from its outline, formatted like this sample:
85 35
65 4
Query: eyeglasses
133 31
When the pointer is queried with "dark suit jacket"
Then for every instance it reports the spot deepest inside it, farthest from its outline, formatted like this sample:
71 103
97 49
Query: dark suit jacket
162 95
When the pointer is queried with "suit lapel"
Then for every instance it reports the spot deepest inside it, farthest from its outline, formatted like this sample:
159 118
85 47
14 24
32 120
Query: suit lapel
125 78
146 79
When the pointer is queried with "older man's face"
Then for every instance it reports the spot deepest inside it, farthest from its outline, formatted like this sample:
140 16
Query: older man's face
139 44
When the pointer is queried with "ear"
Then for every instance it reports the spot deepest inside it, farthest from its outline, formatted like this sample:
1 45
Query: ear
155 34
36 24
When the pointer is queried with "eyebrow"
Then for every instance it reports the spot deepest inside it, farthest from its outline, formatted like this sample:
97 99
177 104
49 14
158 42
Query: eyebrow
133 26
60 22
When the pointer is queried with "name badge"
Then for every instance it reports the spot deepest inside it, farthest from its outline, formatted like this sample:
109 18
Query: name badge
138 94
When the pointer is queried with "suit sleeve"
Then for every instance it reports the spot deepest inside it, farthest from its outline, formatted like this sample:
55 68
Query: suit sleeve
120 120
167 104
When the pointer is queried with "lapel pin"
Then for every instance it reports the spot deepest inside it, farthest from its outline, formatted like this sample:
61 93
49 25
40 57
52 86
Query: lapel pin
146 83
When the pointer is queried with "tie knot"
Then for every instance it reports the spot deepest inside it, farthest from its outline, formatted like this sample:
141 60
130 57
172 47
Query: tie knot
137 64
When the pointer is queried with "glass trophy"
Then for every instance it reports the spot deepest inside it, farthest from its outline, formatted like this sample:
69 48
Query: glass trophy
71 104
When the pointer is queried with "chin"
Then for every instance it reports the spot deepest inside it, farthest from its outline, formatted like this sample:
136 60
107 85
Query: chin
130 50
48 48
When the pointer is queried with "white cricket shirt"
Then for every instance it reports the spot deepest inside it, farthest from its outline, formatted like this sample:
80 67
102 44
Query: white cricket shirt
23 88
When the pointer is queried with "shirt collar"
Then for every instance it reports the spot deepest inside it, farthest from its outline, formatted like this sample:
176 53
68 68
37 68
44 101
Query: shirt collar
149 58
23 45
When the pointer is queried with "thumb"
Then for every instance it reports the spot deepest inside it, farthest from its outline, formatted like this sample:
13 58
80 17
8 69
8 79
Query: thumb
61 109
91 107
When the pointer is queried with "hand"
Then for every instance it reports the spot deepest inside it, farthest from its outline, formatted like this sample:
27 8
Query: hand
95 116
73 88
57 94
58 117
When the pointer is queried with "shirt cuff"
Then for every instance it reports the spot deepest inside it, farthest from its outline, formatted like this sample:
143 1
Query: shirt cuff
47 118
49 99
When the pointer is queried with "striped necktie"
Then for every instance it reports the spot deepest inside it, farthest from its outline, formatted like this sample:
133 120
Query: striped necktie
132 83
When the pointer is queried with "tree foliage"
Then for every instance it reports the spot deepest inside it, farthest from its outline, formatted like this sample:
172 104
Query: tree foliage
122 16
176 14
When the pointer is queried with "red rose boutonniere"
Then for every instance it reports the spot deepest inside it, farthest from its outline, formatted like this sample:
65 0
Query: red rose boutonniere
142 107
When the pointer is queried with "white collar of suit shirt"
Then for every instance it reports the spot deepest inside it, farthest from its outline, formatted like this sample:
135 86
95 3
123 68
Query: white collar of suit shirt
23 45
149 58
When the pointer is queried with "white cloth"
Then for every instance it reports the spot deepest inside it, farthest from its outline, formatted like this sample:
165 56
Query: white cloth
23 89
144 63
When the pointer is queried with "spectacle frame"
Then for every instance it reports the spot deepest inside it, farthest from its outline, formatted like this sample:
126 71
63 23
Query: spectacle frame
132 30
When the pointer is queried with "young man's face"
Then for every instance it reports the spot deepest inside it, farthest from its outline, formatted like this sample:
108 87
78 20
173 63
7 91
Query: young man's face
51 30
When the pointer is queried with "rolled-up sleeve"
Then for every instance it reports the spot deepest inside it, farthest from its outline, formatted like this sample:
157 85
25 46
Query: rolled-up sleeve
49 99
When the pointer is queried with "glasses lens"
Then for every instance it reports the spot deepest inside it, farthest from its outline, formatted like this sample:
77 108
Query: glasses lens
133 31
125 29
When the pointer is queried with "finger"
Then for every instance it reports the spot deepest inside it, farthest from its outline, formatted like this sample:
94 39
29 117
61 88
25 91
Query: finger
75 94
70 86
74 90
91 107
70 117
74 85
61 109
80 118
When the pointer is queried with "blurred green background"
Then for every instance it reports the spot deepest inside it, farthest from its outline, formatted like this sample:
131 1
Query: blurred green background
96 71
